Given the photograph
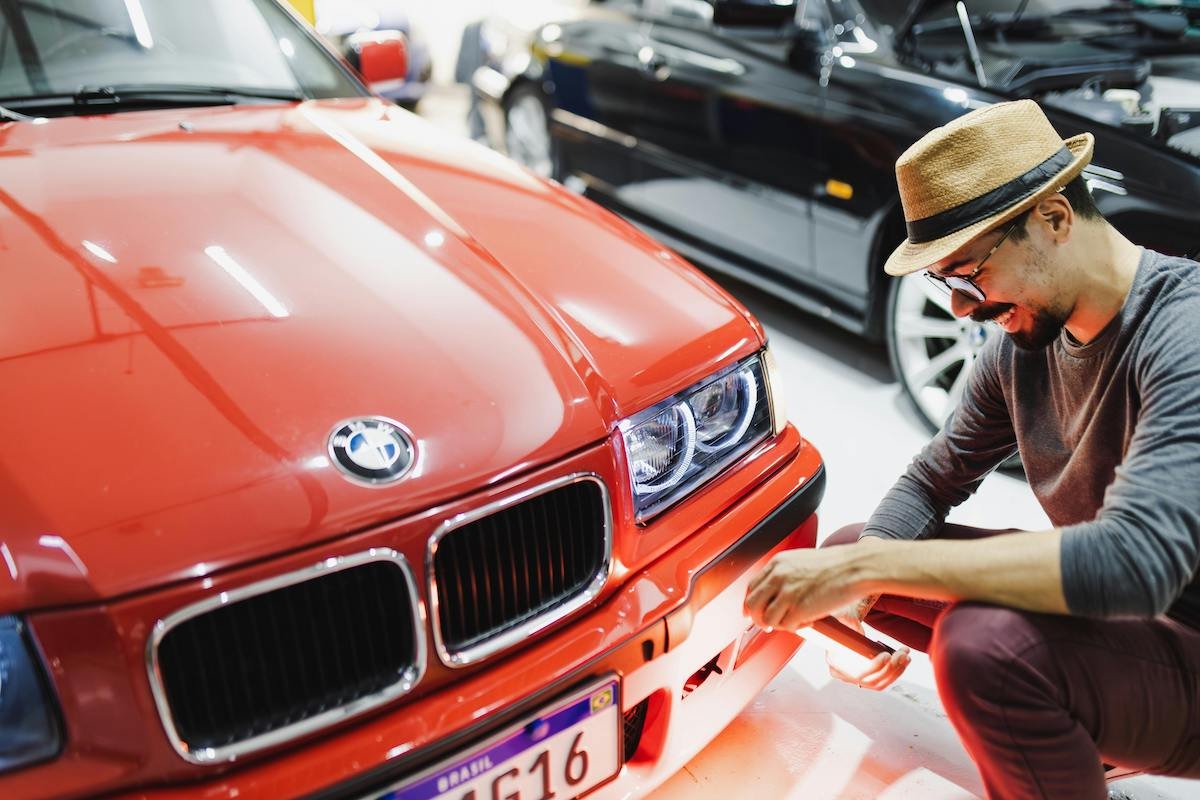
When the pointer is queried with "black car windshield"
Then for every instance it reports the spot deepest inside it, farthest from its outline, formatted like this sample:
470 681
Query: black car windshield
211 51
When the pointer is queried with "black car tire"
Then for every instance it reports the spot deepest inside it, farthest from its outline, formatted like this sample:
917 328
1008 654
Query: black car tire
527 137
906 349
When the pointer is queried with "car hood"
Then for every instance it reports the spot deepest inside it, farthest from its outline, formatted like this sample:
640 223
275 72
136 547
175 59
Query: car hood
192 300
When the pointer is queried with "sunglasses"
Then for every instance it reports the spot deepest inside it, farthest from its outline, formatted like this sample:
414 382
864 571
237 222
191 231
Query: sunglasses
966 283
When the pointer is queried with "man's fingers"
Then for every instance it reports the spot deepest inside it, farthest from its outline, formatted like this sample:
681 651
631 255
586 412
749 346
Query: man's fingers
892 669
760 589
779 614
757 579
839 674
758 598
870 668
878 674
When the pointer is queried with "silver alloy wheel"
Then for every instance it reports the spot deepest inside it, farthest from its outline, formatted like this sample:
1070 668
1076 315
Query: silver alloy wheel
527 133
932 351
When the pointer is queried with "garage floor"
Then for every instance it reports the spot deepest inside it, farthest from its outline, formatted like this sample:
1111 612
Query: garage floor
807 736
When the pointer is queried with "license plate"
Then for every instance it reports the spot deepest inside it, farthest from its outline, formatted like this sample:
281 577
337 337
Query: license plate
562 751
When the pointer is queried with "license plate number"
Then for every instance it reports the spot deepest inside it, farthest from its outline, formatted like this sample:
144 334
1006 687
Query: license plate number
561 752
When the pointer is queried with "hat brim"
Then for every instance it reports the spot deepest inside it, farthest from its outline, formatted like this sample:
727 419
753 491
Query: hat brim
909 257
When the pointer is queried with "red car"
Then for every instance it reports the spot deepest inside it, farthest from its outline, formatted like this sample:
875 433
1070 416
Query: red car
345 459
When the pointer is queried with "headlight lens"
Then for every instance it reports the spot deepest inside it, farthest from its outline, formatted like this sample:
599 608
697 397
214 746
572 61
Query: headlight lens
28 726
661 449
723 409
686 440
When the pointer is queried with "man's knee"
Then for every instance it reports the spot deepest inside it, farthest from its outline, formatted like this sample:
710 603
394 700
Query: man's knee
847 535
982 653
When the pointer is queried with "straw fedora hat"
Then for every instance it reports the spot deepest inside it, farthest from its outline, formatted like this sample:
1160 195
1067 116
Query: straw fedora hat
977 172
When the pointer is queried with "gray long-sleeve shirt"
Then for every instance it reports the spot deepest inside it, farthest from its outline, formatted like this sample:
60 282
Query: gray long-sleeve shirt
1109 433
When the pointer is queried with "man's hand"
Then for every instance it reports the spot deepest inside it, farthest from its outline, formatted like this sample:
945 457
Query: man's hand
799 586
878 674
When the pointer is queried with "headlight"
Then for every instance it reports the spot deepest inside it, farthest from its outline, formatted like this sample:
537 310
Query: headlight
28 726
723 409
661 449
684 441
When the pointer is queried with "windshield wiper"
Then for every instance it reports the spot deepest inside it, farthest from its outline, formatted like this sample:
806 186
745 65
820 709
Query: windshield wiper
7 114
128 97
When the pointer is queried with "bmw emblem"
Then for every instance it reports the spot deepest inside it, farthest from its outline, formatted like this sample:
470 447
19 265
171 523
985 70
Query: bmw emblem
371 450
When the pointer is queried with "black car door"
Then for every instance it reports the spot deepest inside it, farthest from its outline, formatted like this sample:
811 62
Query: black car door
598 89
729 144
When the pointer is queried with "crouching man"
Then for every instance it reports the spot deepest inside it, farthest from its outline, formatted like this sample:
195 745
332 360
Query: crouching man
1054 651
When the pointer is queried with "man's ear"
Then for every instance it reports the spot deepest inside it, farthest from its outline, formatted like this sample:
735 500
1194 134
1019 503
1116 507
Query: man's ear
1057 217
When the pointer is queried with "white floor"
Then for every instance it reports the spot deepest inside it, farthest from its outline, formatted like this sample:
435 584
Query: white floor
807 736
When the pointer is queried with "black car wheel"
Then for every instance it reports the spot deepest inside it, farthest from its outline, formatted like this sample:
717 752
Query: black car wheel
527 130
931 351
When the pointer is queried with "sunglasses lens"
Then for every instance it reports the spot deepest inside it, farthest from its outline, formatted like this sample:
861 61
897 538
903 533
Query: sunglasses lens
938 282
966 287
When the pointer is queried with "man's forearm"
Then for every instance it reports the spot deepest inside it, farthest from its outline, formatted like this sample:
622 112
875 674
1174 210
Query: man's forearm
1020 570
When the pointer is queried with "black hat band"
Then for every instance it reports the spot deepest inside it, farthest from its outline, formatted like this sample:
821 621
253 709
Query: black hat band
962 216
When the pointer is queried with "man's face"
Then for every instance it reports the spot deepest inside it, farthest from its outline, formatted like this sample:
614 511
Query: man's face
1018 281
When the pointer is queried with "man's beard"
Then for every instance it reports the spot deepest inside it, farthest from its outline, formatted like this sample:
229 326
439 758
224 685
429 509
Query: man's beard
1046 326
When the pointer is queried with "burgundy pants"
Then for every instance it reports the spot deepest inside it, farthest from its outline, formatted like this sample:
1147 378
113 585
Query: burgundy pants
1041 700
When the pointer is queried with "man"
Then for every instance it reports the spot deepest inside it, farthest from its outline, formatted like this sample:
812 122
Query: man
1054 651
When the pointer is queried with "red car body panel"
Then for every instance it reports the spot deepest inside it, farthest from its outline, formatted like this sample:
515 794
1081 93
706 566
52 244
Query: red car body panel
193 299
208 416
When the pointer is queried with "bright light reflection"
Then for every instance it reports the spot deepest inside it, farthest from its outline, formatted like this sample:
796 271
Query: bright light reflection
435 239
866 43
399 750
8 559
99 252
381 166
319 462
141 29
58 543
247 281
286 46
955 95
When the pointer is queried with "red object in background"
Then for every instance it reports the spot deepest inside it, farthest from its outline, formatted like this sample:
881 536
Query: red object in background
382 55
337 258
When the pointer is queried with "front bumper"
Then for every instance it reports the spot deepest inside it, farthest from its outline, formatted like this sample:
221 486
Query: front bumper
657 629
669 666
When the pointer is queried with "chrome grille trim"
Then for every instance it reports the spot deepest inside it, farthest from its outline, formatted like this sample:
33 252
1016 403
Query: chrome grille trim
506 639
210 755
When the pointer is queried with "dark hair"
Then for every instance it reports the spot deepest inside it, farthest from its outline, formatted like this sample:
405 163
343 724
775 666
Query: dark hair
1076 193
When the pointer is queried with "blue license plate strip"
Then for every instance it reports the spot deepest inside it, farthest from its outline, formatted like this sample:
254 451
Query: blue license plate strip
523 736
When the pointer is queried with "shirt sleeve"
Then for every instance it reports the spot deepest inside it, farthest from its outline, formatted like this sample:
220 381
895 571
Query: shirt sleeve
1142 549
976 439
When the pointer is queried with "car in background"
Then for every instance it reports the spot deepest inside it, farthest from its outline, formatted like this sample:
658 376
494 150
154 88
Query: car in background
340 20
759 139
391 469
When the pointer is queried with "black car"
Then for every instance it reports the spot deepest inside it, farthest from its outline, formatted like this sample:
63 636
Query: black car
759 138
